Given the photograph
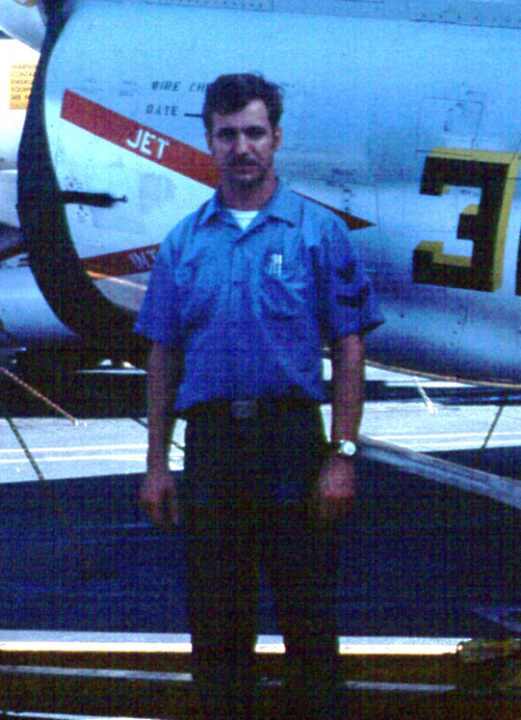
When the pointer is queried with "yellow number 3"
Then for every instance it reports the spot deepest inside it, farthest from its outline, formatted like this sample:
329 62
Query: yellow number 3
484 224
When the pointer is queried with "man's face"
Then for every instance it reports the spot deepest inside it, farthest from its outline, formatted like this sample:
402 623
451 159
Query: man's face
243 145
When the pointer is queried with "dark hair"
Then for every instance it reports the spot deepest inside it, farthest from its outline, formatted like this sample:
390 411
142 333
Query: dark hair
231 93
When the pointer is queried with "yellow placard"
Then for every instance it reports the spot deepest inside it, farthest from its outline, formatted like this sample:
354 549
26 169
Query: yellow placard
20 84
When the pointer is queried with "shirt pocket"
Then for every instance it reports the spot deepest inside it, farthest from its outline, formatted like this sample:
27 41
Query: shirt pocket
286 311
197 285
283 290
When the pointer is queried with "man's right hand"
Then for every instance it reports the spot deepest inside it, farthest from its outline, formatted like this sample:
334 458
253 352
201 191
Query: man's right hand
158 498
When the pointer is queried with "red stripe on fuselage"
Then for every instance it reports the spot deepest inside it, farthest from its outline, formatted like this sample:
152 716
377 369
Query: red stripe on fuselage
124 262
143 141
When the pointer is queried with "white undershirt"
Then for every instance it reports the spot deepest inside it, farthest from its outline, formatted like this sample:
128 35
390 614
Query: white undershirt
244 217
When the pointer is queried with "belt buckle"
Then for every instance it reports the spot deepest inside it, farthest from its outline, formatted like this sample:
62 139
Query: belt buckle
243 409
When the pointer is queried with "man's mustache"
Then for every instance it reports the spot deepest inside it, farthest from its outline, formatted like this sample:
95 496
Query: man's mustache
243 162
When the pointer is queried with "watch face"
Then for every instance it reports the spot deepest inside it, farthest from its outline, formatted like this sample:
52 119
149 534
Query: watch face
347 448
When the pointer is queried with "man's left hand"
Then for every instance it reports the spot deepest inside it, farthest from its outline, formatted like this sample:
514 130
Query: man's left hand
336 488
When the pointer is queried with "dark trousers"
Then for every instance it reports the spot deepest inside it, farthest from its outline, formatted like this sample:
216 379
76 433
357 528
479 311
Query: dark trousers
247 502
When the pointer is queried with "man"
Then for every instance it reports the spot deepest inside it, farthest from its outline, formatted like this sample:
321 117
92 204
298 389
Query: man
244 295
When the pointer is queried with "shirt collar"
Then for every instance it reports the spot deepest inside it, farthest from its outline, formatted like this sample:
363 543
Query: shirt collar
283 205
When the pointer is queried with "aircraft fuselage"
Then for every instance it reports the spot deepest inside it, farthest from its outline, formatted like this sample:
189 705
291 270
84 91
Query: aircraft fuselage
405 126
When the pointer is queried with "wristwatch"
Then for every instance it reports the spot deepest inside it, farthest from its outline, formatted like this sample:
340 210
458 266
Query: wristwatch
344 448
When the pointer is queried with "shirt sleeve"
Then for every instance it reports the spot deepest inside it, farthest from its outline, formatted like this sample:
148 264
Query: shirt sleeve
347 298
158 317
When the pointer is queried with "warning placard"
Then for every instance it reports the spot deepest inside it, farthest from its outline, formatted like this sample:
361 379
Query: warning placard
21 82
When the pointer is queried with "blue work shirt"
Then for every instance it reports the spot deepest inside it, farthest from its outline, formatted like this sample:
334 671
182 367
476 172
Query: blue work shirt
251 310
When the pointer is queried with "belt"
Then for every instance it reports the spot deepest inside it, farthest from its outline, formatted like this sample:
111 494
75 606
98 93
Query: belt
241 410
244 409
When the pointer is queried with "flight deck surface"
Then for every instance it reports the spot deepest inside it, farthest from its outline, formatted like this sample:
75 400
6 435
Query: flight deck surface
419 559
